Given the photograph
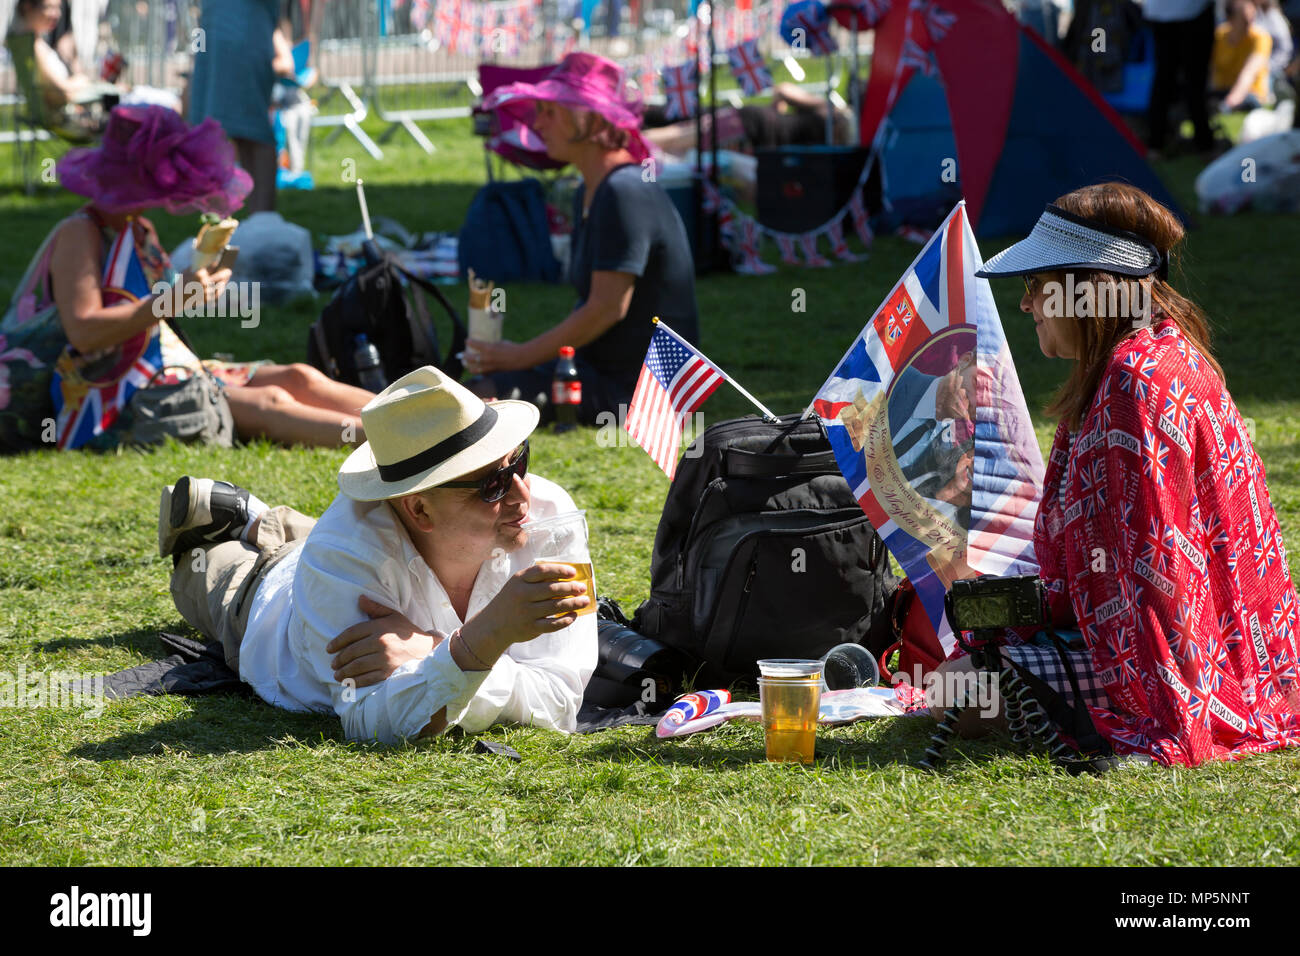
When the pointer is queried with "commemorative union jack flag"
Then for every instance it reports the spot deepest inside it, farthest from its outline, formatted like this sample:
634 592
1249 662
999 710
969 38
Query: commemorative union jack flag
938 323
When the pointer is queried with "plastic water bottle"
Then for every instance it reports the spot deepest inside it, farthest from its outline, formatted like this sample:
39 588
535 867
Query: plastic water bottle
566 391
370 368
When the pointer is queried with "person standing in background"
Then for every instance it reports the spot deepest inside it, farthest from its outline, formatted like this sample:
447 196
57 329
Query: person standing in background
234 71
1183 31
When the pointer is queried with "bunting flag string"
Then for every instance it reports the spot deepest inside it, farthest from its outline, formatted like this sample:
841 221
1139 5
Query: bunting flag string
814 258
860 224
750 261
785 243
742 235
748 67
491 29
838 246
680 89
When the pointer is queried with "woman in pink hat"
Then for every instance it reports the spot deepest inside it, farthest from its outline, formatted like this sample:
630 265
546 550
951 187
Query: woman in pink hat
84 330
631 257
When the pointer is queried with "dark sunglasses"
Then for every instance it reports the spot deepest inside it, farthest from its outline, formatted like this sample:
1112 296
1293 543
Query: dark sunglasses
494 487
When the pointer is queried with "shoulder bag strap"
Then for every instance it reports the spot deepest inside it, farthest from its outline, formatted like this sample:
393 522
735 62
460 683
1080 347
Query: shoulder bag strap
451 364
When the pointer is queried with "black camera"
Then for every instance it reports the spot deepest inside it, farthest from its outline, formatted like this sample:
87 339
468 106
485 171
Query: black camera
986 603
633 667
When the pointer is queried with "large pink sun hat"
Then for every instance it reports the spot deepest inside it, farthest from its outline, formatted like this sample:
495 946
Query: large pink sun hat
150 158
581 81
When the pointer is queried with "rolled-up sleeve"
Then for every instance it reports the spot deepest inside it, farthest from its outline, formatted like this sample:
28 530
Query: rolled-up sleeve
539 683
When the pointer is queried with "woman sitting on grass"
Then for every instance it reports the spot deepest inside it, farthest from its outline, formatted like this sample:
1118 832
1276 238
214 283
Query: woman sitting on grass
630 255
1155 533
84 330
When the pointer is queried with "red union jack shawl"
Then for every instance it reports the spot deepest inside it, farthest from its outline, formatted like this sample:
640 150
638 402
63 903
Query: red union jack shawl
1157 515
747 64
675 380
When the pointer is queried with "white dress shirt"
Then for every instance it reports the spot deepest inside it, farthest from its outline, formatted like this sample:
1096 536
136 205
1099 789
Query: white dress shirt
360 547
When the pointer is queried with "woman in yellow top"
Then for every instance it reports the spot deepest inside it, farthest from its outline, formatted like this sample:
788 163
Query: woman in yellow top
1239 61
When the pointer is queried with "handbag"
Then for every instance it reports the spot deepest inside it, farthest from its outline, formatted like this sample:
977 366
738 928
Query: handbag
192 410
919 650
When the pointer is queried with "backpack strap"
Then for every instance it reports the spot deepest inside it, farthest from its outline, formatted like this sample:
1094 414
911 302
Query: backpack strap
451 364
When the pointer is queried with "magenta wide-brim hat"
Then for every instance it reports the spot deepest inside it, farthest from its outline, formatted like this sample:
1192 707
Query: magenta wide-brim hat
581 81
151 158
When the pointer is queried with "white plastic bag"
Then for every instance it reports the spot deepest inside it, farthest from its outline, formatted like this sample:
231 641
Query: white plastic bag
1262 175
272 252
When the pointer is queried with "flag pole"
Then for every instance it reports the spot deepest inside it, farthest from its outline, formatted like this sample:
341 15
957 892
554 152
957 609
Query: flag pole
767 414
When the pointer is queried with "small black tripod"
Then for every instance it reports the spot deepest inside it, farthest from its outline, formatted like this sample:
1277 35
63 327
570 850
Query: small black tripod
1025 717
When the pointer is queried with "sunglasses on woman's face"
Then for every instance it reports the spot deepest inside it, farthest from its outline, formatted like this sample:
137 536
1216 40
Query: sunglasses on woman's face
494 487
1031 285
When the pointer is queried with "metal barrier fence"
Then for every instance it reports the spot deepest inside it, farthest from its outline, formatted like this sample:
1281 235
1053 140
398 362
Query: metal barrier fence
410 61
155 38
415 61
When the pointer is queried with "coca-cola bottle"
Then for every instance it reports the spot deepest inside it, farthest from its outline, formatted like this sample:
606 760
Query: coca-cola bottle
566 390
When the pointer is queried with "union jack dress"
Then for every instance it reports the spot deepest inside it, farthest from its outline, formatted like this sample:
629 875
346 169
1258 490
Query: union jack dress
90 392
1157 533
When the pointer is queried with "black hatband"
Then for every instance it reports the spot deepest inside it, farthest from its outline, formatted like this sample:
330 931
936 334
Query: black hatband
432 457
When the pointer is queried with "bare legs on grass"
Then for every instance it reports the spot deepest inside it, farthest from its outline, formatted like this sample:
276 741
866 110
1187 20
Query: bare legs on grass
298 405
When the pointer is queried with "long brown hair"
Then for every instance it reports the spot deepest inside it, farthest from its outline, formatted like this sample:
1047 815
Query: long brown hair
1122 206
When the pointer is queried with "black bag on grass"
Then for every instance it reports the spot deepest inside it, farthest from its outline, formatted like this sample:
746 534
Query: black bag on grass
763 552
393 315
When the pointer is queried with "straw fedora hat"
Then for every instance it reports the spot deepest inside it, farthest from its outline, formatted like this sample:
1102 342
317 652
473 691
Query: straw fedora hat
426 429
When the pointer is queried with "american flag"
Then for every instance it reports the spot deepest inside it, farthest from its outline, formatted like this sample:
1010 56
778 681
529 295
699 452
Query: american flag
675 380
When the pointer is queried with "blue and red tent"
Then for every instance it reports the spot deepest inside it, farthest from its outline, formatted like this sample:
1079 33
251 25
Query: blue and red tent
1025 127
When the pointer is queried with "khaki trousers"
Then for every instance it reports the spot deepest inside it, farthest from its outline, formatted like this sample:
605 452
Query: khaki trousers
213 586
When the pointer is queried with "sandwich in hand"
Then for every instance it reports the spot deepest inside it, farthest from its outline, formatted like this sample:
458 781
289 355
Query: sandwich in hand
214 234
484 322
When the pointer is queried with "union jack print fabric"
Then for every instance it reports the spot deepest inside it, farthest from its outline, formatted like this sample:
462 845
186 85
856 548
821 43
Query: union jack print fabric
1157 534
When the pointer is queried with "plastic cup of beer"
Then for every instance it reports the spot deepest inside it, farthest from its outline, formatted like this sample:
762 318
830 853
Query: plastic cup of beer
790 691
563 540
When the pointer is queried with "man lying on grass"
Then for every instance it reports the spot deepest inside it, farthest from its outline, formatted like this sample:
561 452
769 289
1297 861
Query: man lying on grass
378 611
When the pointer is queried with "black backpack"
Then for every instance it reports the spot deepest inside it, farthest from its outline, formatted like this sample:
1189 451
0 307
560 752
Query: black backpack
392 315
762 551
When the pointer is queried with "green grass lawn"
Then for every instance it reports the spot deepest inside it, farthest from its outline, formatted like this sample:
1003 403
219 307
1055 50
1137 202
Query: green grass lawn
230 780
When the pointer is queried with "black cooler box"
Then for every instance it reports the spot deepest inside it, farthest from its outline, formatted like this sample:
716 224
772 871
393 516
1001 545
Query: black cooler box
801 187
